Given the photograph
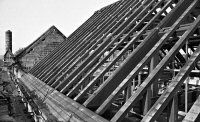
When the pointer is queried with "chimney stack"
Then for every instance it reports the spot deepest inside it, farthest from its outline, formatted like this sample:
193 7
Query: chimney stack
8 40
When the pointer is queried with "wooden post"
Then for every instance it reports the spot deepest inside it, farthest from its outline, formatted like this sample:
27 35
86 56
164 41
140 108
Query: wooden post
153 90
186 81
153 63
139 79
173 109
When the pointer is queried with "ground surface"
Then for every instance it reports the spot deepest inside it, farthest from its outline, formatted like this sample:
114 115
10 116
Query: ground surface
12 109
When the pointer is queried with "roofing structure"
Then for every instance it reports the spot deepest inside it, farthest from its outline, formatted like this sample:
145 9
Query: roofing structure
130 61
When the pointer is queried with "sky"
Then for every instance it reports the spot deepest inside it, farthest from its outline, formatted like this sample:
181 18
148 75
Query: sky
29 19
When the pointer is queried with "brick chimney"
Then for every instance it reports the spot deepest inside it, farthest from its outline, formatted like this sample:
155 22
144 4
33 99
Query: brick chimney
8 40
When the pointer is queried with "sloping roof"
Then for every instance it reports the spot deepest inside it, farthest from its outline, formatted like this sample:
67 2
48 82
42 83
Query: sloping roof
38 40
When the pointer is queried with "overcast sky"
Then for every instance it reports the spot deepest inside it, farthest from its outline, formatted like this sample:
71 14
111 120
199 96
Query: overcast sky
28 19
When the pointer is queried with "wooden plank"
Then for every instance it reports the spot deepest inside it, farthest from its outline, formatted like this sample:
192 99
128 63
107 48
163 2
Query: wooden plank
61 103
193 113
